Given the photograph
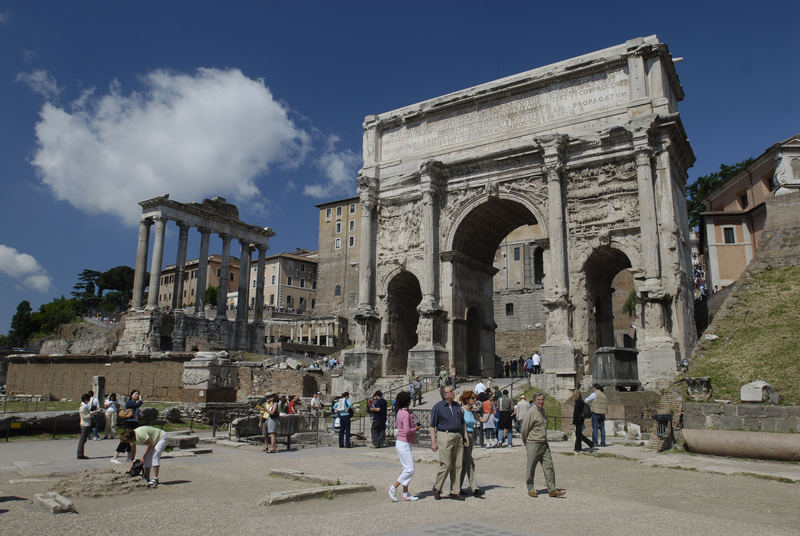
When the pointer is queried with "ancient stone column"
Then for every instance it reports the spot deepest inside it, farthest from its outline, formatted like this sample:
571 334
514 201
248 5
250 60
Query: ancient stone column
224 275
141 262
647 211
155 266
431 174
180 266
202 274
244 281
558 351
367 192
258 317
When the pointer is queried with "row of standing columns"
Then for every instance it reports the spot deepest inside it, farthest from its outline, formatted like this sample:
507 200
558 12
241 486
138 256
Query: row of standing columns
202 270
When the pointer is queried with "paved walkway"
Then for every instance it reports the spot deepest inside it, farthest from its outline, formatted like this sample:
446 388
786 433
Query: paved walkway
620 489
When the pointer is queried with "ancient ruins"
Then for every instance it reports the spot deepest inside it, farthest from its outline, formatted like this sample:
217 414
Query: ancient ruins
150 330
593 151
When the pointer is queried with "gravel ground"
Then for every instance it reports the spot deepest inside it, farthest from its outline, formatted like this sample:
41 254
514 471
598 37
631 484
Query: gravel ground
218 494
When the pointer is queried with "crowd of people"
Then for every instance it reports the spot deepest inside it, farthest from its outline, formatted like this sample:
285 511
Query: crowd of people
522 367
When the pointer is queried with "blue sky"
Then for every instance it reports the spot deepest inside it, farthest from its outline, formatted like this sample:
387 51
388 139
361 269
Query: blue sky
103 104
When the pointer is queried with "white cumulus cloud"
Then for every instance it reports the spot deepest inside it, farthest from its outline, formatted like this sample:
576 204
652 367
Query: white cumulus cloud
213 132
40 82
339 168
25 268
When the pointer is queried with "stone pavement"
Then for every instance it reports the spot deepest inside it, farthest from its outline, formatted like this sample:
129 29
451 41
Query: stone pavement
622 488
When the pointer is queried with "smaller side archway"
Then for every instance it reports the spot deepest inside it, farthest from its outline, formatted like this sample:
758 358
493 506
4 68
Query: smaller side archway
601 270
403 295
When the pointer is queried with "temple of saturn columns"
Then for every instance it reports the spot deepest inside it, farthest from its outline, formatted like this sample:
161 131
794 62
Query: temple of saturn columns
593 151
147 329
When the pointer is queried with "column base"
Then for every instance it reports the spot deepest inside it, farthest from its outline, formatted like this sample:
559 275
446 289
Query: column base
658 364
361 368
427 359
558 356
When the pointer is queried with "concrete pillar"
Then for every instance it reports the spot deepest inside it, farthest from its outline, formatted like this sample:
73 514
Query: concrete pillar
258 317
180 266
244 281
202 273
141 262
155 266
224 275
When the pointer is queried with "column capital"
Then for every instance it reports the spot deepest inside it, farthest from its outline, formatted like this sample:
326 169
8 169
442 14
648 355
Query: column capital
554 153
204 230
225 237
146 221
643 155
367 184
182 225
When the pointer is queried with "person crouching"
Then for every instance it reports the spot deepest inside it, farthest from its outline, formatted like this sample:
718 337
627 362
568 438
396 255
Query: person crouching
156 441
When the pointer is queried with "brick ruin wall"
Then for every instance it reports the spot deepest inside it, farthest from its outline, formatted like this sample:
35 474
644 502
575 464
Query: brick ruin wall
512 344
71 376
255 381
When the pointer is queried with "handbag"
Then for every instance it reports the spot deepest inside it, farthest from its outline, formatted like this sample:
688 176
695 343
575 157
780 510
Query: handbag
125 413
587 411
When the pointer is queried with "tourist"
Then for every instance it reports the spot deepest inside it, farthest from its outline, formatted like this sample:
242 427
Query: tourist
489 384
470 403
316 405
110 408
490 424
417 391
377 408
479 388
578 418
85 413
293 401
94 406
344 410
520 410
406 432
529 366
447 437
131 414
598 403
534 437
505 406
453 376
506 369
537 363
442 377
156 441
268 422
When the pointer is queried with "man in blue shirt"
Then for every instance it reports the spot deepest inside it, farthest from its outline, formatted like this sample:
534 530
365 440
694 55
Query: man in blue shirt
447 437
377 407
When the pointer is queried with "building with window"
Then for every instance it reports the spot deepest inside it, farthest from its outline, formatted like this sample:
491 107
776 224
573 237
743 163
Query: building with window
339 226
290 282
190 280
733 222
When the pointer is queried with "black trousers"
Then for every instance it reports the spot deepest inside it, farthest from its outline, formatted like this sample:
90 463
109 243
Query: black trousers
579 437
378 432
126 447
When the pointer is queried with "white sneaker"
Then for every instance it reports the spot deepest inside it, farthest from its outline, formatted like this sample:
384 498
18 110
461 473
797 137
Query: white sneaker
114 460
410 498
153 483
392 493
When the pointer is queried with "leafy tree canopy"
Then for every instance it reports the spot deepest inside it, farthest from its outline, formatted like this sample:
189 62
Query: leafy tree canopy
702 186
119 278
211 296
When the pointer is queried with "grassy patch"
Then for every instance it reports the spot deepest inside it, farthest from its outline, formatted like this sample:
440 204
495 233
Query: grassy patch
758 339
768 477
552 407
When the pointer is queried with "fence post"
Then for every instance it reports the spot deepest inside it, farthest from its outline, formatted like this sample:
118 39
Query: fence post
54 429
214 424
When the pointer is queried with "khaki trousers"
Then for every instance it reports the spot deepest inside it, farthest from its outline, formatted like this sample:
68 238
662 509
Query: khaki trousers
539 452
451 449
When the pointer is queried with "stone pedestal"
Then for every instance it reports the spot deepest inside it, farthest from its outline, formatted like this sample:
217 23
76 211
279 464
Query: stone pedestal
658 364
209 377
426 360
615 367
558 356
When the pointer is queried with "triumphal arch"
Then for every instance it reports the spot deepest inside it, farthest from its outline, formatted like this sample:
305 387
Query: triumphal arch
592 150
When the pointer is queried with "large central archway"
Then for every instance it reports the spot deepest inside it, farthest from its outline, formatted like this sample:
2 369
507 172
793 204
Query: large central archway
474 244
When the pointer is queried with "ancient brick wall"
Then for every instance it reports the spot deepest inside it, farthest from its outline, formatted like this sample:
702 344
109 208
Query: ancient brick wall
510 344
254 380
71 376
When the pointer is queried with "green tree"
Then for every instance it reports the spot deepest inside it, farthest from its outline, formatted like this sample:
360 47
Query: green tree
629 307
53 314
702 186
211 296
119 278
23 325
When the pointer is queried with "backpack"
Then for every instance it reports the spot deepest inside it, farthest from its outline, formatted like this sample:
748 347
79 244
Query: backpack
136 469
587 411
341 405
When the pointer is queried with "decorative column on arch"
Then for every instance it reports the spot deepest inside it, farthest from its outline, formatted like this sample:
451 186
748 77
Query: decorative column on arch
429 353
141 263
202 274
258 315
658 351
558 352
244 281
155 265
224 275
180 265
363 362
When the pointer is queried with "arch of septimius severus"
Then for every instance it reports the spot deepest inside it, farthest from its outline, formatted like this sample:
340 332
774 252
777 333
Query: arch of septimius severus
593 151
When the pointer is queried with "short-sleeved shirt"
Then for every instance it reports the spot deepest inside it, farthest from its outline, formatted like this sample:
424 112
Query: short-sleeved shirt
381 405
447 417
469 420
145 434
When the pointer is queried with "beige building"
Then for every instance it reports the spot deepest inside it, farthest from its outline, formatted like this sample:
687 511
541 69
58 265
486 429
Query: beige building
339 227
732 225
290 282
165 296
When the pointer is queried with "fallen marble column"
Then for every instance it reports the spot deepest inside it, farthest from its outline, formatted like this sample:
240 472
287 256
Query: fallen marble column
759 445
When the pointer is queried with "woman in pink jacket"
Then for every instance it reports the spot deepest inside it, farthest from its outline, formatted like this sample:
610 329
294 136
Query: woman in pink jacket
406 432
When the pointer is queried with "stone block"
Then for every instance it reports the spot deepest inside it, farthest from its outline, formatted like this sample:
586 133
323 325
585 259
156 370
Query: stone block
53 503
751 410
556 435
172 414
634 431
694 420
729 422
148 415
754 391
752 423
730 411
182 441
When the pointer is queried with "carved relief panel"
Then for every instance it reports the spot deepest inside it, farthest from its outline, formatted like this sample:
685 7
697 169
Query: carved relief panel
601 198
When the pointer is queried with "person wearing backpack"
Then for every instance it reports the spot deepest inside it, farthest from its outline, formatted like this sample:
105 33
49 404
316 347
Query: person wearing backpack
580 412
598 403
344 409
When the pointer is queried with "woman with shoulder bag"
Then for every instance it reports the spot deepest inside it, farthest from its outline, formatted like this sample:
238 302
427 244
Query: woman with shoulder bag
406 433
469 401
130 419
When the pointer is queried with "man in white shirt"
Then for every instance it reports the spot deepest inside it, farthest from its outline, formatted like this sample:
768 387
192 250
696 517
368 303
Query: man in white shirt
537 363
479 387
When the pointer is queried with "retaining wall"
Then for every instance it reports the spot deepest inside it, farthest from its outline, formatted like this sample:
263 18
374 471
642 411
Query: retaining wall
749 417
